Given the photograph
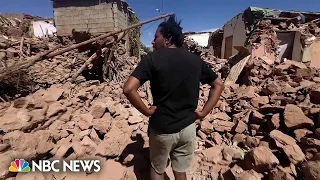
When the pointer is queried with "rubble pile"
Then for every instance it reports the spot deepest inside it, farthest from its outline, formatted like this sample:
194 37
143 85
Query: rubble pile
215 63
268 129
58 69
16 25
70 121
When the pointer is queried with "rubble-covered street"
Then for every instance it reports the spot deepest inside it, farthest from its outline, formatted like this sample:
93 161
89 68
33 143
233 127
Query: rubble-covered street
266 124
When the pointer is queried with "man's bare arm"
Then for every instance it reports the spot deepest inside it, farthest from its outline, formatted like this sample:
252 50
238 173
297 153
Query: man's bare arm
130 90
214 96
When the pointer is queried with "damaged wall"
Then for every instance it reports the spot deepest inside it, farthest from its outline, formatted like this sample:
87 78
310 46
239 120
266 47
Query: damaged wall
95 16
234 31
43 28
311 54
201 38
297 47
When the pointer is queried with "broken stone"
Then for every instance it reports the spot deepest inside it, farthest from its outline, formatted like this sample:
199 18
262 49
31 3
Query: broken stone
84 121
206 126
222 126
274 123
221 116
114 142
53 94
246 92
250 142
216 138
213 154
89 145
240 127
121 111
249 175
102 125
55 109
16 120
94 136
234 152
288 145
300 133
259 101
202 135
254 127
233 173
280 174
63 149
260 159
247 116
238 138
98 109
257 117
85 133
294 118
272 88
134 120
30 145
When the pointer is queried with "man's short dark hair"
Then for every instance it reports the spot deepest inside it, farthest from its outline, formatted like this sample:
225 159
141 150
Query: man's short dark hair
171 29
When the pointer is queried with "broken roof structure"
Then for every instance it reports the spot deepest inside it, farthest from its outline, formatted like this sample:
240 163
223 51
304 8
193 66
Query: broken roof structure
269 33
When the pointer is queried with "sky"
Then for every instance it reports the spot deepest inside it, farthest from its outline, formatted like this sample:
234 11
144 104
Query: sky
195 15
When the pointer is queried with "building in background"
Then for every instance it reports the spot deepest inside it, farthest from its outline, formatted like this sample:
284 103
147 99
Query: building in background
93 16
270 34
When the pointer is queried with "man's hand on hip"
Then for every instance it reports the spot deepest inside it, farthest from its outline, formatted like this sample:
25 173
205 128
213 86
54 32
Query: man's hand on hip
151 111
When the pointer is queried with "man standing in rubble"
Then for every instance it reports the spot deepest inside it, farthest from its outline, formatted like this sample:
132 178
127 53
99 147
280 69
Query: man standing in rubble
175 75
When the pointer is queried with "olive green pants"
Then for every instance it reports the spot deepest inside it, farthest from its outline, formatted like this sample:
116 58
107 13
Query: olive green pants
179 147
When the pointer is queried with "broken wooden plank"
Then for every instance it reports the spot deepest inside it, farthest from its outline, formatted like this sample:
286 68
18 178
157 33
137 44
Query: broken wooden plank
85 65
236 70
107 60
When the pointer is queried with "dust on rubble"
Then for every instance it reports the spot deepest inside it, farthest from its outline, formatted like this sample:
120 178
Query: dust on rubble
266 125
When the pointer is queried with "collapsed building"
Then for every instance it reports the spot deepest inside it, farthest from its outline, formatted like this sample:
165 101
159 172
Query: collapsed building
17 25
94 18
272 34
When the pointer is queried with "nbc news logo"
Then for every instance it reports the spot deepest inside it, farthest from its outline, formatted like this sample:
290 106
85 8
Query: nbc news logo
20 165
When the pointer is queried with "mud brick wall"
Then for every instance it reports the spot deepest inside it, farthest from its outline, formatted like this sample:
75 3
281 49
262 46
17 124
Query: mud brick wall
95 16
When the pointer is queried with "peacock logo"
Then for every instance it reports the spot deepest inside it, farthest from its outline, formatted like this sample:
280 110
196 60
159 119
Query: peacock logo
19 165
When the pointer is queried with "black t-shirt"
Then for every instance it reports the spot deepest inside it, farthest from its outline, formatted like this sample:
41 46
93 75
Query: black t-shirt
175 75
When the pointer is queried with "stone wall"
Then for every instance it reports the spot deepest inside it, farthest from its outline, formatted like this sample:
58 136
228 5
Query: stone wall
93 16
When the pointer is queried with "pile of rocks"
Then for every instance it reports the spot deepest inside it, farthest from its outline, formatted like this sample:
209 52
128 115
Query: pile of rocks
17 25
269 129
67 121
215 63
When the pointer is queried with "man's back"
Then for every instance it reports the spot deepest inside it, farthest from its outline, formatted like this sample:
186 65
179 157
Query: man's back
175 75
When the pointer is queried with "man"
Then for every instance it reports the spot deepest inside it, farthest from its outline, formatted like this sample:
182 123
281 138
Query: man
175 75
